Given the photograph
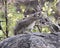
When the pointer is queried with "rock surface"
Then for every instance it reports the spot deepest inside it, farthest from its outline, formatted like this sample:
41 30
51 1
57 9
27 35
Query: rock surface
34 40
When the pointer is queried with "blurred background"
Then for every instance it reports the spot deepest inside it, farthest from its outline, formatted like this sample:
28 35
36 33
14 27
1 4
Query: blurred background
12 11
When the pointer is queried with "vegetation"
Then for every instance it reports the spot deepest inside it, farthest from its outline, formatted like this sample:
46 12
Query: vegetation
48 9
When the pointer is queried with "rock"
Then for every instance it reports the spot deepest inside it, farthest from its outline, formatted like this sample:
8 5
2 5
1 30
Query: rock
34 40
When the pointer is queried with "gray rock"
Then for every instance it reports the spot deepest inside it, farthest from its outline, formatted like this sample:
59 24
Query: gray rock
34 40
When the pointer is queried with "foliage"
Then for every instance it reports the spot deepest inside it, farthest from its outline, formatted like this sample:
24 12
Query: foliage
13 16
